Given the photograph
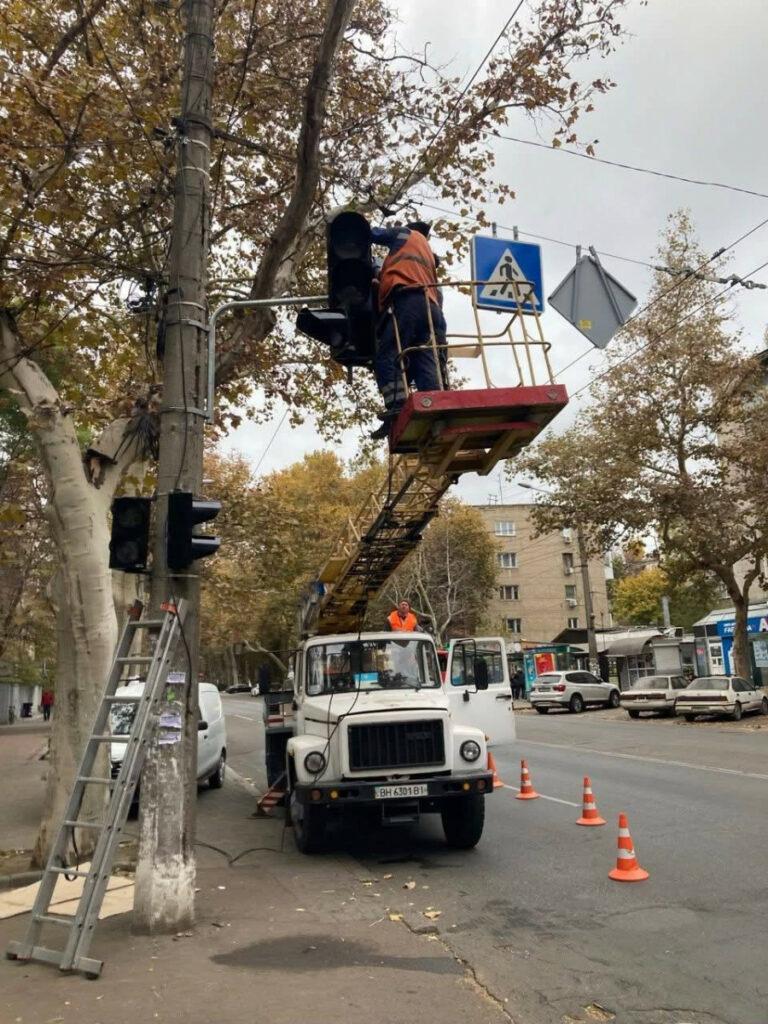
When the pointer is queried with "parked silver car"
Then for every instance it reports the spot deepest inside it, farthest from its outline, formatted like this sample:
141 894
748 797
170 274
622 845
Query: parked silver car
721 695
653 693
573 690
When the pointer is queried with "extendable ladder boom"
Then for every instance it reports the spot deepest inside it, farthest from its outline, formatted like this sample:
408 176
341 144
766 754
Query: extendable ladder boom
438 436
165 632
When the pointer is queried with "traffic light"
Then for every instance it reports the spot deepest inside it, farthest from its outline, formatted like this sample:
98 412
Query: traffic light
183 546
348 327
129 540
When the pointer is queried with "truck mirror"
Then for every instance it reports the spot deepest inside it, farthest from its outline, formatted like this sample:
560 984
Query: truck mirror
481 673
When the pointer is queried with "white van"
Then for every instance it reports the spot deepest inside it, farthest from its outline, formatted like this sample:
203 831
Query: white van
211 732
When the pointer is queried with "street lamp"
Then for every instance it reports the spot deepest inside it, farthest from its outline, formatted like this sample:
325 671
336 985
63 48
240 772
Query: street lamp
585 582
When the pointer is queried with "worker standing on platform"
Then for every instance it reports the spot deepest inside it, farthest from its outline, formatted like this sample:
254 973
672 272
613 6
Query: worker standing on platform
408 292
402 619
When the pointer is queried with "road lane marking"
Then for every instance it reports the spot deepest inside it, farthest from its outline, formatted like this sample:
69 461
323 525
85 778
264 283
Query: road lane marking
240 780
246 717
647 760
554 799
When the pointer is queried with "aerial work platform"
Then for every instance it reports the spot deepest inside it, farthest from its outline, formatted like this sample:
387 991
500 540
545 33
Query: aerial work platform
438 436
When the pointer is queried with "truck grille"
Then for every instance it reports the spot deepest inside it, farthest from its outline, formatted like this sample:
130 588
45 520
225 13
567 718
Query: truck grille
396 745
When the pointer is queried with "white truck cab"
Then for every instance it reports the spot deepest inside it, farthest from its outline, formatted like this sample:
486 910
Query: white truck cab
374 727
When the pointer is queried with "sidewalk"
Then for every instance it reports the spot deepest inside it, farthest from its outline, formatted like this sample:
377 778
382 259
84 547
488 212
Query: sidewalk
22 790
280 939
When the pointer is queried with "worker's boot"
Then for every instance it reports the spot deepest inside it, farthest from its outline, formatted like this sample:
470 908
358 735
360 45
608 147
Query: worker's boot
388 418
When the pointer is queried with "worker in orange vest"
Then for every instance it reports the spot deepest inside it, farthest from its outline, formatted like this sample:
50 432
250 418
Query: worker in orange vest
407 283
402 619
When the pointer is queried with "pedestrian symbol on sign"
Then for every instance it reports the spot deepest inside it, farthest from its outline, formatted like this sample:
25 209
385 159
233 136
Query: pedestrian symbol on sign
499 284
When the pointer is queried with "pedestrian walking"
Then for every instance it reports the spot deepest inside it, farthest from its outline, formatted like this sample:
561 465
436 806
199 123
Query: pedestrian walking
46 702
517 683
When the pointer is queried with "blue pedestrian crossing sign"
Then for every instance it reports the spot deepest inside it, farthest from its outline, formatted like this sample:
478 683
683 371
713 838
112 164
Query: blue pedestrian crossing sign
497 263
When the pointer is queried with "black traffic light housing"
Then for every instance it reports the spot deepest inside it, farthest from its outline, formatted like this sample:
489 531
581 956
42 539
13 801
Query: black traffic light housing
183 545
348 326
129 540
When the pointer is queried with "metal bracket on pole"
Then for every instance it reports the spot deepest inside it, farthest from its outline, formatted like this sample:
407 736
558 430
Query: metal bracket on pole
609 291
299 300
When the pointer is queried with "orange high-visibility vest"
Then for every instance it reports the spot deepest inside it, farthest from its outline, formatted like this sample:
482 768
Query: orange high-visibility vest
406 625
412 266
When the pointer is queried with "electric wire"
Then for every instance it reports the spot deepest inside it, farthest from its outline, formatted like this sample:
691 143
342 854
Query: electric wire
397 193
270 442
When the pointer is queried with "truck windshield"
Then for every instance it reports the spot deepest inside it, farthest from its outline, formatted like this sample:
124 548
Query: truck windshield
371 665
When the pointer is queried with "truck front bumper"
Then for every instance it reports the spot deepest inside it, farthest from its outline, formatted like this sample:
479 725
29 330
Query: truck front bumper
344 794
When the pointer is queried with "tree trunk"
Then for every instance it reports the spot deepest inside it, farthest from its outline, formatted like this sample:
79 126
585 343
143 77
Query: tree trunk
741 660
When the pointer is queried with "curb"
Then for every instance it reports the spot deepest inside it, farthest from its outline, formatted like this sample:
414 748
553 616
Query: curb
20 878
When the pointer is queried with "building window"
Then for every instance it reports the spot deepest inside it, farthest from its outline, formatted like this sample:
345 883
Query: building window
504 528
573 623
567 535
509 593
568 563
513 625
570 592
508 560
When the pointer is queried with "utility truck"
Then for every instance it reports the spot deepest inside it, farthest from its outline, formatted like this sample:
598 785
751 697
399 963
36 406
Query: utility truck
370 726
370 730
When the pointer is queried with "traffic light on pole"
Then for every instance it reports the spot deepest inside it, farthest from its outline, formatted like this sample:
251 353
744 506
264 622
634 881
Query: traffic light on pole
183 545
129 540
348 326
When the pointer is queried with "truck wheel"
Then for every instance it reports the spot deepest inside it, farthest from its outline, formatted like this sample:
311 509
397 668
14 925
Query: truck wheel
308 826
463 820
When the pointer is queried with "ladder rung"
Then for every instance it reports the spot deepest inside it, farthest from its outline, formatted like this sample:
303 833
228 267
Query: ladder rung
67 922
95 780
148 623
84 824
117 699
70 871
112 737
129 659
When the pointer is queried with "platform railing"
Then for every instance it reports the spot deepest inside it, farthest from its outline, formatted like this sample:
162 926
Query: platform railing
522 335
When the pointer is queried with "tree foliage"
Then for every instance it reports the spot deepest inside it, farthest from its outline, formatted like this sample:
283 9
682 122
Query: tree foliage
675 440
637 598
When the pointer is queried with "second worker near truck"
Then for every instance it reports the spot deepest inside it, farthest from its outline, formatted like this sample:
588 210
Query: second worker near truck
407 287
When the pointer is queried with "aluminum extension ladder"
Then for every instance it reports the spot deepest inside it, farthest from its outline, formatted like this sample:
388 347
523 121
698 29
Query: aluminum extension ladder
80 926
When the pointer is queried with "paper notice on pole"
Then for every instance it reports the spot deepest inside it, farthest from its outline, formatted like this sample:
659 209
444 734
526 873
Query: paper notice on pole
170 720
176 678
169 737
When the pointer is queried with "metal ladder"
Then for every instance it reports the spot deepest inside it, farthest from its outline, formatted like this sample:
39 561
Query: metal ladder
80 926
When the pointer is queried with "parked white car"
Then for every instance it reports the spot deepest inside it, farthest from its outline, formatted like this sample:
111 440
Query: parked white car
653 693
721 695
574 690
211 734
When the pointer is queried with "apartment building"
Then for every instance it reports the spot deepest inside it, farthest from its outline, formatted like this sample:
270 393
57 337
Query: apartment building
539 587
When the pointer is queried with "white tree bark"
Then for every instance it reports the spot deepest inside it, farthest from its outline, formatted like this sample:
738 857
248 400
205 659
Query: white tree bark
82 591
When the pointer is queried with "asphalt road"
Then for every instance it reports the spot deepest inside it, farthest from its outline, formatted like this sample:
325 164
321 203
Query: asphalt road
532 909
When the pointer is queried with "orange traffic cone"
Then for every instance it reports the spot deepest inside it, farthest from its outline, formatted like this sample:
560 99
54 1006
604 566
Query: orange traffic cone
497 783
627 869
527 792
589 815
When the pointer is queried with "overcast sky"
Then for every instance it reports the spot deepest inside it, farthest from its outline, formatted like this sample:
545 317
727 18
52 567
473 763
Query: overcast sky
690 83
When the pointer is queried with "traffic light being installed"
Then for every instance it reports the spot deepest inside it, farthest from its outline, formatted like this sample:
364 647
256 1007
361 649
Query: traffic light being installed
348 326
183 545
129 540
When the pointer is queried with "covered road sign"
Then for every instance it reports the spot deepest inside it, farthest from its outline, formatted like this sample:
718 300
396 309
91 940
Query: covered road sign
498 262
593 300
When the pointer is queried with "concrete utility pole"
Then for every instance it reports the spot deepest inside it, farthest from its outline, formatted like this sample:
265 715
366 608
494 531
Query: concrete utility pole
588 606
165 876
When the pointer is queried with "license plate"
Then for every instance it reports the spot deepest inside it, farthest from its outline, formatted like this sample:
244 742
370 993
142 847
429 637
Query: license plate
395 792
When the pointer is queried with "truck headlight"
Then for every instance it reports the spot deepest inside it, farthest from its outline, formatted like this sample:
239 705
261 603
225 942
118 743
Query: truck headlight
470 750
314 762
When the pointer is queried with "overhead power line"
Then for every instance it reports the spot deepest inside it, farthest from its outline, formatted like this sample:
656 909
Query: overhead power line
452 109
628 167
270 442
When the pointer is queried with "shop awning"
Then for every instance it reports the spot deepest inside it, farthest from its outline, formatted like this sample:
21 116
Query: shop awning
629 646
